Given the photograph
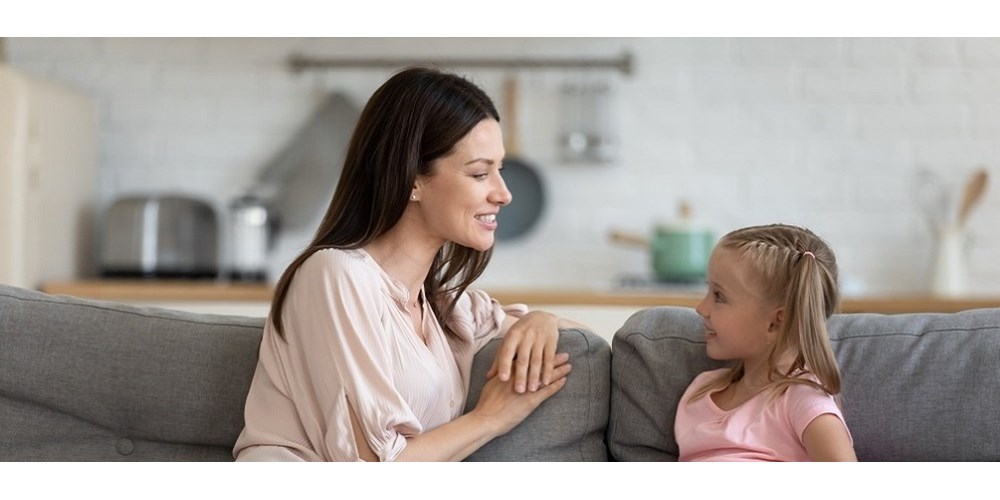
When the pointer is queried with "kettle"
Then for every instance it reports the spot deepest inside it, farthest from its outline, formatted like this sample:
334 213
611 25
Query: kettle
253 228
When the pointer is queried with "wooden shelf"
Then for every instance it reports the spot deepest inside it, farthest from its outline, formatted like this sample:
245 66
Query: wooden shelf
194 291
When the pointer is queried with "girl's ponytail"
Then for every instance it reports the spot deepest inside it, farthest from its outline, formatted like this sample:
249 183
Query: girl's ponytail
808 304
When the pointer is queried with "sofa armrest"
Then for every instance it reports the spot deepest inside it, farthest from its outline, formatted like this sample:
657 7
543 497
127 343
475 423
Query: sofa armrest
569 426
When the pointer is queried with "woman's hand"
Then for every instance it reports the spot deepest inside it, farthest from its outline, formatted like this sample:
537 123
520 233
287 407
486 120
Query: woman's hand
528 352
502 407
498 410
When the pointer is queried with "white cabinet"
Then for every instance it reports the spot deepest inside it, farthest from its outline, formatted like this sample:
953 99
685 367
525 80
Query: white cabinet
48 180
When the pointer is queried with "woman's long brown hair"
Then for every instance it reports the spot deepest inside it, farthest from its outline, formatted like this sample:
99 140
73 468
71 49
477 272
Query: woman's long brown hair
413 119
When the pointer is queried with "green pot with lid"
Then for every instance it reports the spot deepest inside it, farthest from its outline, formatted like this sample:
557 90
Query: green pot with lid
678 251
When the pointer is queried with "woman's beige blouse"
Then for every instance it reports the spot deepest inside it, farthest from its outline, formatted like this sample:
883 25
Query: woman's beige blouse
348 337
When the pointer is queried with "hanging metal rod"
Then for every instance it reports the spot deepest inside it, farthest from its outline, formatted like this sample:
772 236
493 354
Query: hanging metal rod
623 63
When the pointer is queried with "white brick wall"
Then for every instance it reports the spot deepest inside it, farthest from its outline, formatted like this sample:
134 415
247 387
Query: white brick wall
821 132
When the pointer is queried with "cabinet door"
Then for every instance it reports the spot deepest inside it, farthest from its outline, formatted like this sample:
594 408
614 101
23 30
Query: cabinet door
49 140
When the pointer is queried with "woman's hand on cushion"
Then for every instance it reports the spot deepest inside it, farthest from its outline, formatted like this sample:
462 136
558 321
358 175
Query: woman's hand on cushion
502 407
528 352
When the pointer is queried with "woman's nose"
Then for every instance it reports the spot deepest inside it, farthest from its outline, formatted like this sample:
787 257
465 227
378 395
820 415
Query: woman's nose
500 195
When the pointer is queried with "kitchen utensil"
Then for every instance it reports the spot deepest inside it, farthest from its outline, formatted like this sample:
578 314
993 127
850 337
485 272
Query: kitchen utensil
253 226
974 190
161 236
679 251
933 198
586 128
522 179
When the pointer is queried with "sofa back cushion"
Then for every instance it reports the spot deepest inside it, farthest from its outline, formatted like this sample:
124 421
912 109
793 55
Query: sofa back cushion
569 426
99 381
916 387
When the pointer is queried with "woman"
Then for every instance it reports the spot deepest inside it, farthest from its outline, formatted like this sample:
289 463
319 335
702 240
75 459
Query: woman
367 350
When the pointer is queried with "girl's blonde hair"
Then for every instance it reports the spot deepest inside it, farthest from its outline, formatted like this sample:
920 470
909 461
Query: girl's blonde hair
795 268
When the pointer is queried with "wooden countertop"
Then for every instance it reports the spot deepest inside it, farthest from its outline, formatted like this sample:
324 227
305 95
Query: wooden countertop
207 290
162 290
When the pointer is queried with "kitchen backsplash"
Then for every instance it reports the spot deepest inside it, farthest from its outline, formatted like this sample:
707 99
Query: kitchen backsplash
823 132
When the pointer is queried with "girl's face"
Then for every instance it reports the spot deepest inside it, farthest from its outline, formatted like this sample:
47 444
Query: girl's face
739 322
460 201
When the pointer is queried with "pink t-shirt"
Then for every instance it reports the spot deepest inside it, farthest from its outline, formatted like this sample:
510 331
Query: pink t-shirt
761 429
349 338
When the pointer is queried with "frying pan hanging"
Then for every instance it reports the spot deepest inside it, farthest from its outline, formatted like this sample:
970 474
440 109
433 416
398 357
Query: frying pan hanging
522 179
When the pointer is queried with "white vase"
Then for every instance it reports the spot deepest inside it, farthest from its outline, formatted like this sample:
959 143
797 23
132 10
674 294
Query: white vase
949 276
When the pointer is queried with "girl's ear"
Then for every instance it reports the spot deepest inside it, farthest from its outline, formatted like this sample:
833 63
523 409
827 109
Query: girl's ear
776 318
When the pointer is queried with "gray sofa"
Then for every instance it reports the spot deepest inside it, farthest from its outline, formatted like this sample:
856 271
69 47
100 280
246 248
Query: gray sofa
100 381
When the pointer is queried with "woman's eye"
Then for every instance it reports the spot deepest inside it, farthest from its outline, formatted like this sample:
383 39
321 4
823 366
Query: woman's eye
719 297
480 176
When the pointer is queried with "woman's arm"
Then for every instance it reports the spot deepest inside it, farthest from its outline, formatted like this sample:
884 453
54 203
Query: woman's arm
498 411
826 440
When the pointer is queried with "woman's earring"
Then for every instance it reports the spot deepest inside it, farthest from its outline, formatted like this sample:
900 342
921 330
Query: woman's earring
413 197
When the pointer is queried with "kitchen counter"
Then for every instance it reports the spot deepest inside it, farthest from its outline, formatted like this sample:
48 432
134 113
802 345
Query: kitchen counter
219 291
126 290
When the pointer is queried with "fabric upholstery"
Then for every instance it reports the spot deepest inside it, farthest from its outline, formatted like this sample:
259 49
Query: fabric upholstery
91 380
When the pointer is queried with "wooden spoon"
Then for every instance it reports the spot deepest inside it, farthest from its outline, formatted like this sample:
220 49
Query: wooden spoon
974 190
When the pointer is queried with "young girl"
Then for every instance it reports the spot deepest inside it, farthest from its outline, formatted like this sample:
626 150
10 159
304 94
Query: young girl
770 290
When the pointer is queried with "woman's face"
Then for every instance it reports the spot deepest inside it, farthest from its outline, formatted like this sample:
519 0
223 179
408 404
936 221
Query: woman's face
459 202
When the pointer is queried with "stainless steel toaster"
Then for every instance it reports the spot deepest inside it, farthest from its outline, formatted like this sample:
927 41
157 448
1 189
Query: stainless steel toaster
162 236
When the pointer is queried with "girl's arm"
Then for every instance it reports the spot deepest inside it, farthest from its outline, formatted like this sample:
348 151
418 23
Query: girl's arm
826 440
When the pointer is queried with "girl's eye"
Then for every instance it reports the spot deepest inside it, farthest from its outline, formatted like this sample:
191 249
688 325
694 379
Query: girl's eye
480 176
718 297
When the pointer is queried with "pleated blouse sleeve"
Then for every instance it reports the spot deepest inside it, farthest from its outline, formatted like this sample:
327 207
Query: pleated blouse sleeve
337 353
477 317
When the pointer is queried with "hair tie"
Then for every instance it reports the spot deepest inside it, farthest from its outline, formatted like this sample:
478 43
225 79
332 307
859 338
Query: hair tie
809 254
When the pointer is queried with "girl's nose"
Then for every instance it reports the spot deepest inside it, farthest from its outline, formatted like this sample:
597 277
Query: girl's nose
702 307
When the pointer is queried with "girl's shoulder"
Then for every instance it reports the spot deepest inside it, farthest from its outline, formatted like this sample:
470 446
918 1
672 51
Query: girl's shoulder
807 386
706 377
711 374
